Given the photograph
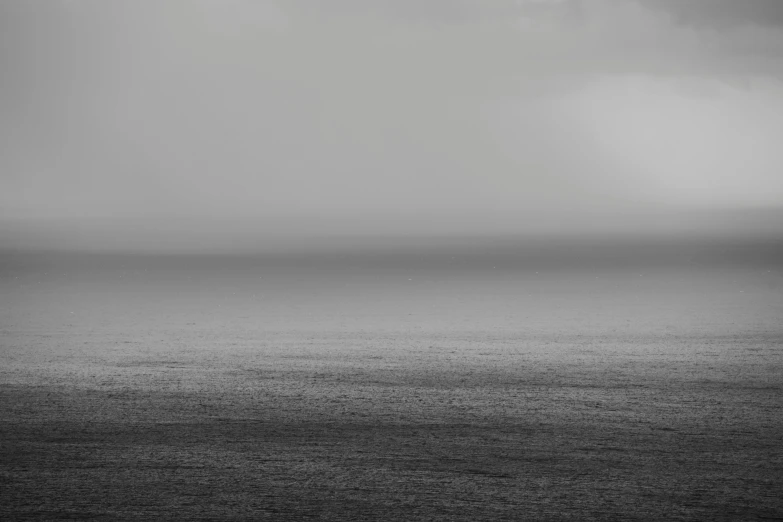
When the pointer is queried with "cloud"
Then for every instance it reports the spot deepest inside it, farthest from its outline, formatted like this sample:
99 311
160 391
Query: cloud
626 37
697 13
657 37
248 109
720 13
440 11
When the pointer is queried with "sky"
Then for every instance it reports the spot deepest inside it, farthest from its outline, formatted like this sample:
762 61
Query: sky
190 123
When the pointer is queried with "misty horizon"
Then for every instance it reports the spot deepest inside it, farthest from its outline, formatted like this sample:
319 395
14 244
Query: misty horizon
277 235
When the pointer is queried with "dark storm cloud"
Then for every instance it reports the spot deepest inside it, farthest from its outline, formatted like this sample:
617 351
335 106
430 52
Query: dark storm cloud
721 13
731 38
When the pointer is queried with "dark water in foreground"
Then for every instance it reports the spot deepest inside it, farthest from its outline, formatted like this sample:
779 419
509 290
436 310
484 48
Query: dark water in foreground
478 382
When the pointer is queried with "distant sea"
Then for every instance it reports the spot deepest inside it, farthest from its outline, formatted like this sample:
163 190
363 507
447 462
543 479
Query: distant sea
497 284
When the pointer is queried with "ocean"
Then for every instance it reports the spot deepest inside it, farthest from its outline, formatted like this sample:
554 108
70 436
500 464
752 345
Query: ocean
420 380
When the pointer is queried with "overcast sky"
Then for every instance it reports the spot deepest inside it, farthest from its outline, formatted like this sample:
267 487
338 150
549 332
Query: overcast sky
385 116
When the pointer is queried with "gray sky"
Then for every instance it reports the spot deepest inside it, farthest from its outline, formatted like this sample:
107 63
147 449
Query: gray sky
206 118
